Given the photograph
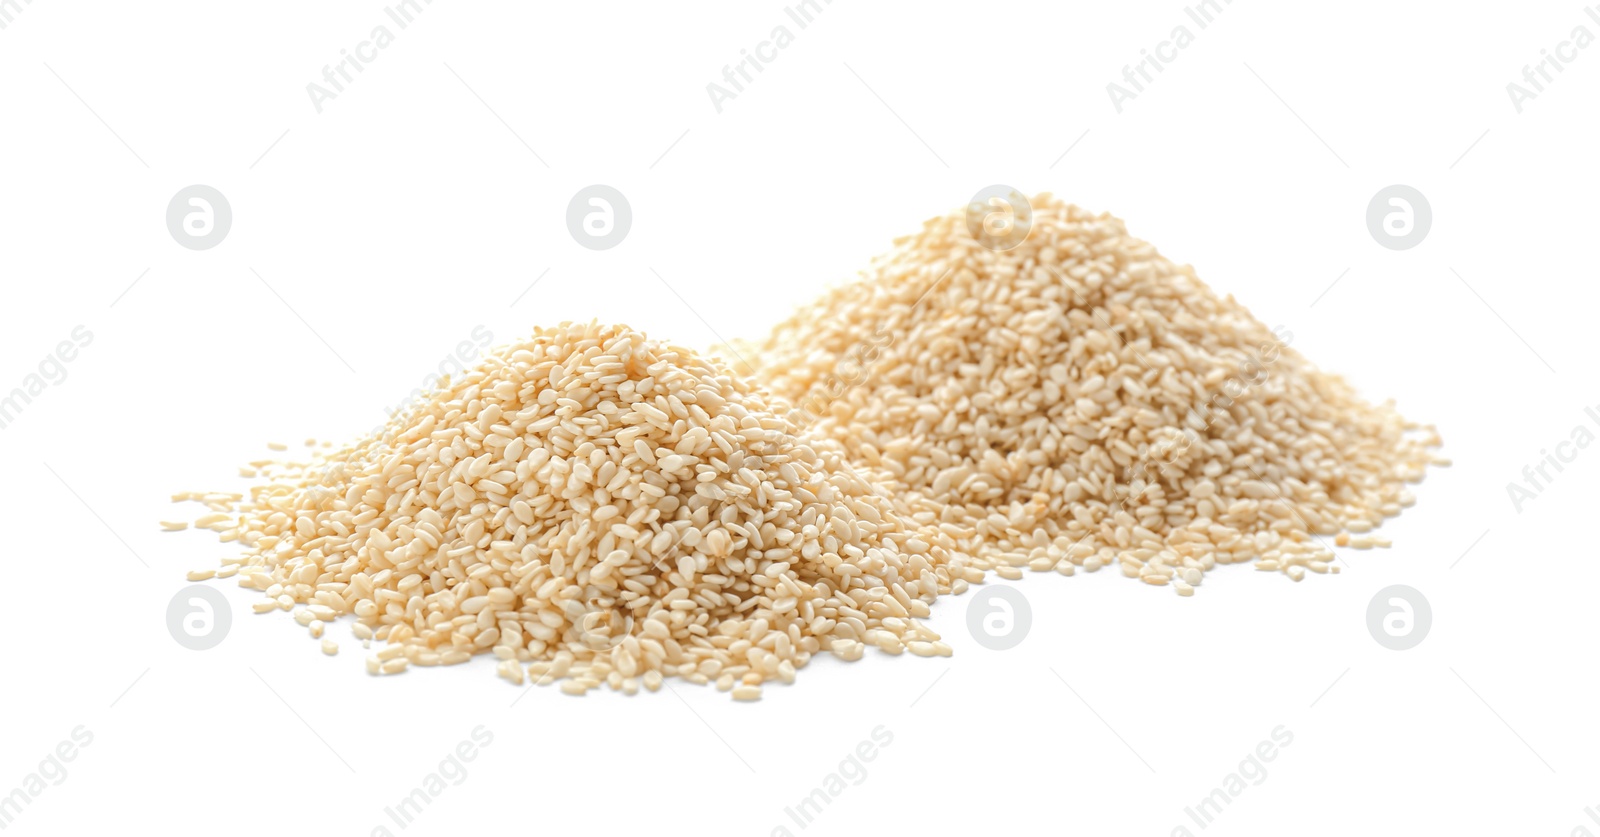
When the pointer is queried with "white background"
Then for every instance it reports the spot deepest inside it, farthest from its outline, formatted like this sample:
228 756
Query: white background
415 207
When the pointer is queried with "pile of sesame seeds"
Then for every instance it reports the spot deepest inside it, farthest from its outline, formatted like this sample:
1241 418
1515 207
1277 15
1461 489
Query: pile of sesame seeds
1077 400
592 507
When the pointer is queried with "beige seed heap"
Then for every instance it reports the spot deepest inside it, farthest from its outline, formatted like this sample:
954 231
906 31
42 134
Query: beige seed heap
1078 400
594 507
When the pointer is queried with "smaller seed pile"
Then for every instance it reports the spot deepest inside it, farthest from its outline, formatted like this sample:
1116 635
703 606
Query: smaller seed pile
593 507
1077 400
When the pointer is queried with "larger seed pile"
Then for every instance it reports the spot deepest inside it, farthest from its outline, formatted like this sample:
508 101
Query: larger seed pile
594 507
1078 400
